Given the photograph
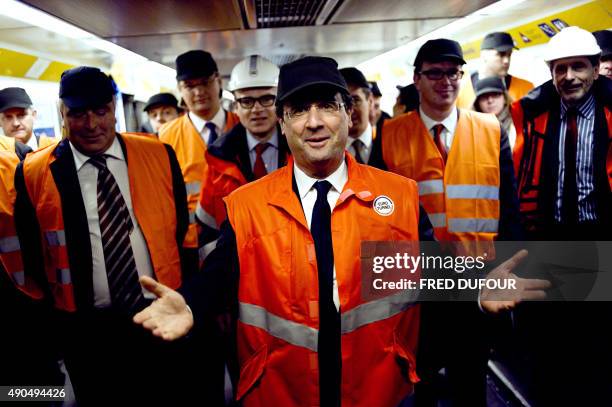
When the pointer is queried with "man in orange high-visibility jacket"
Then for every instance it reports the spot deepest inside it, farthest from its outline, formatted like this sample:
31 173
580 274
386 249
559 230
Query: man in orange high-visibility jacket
17 118
94 213
288 265
199 84
251 150
462 163
495 55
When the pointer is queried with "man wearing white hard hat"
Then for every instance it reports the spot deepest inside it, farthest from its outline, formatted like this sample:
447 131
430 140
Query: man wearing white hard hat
563 162
251 150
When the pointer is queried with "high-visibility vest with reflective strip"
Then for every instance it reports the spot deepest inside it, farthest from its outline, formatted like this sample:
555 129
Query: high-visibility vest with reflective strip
527 157
461 197
518 89
151 189
10 249
190 149
278 292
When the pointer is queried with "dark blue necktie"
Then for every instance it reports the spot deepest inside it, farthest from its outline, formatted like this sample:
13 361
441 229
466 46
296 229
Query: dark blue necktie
212 133
330 362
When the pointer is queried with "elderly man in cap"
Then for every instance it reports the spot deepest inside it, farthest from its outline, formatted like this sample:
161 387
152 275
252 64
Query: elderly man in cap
364 142
93 214
17 118
462 163
162 108
287 264
495 55
604 40
199 84
563 158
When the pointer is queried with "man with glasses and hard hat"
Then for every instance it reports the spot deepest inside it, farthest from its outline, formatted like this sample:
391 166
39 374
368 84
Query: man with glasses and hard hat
462 163
495 55
251 150
563 157
190 135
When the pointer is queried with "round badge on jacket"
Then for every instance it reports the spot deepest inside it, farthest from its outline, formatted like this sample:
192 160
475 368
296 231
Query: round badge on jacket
383 205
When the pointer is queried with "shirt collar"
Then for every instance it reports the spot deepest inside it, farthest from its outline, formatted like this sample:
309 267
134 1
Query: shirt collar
199 123
585 109
32 142
449 123
81 159
252 141
365 137
305 183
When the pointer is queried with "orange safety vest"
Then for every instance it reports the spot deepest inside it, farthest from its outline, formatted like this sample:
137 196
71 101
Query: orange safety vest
278 292
151 188
527 157
518 89
190 151
7 143
45 141
461 197
10 249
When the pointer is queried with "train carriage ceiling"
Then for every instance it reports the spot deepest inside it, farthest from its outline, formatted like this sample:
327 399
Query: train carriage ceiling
349 30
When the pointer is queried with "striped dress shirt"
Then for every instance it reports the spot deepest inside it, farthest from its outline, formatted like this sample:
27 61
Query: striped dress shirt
585 178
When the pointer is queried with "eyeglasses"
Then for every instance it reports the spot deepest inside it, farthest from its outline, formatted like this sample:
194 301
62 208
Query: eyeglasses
249 102
300 111
437 74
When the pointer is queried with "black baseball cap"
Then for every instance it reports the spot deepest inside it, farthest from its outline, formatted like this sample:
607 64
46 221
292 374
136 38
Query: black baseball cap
195 64
308 71
604 40
375 89
353 76
499 41
162 99
408 96
439 50
85 86
14 97
491 84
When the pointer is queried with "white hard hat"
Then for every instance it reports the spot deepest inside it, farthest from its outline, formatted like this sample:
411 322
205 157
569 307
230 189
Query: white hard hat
571 42
253 72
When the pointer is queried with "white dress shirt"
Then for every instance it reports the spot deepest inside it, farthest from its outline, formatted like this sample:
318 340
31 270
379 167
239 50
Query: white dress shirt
88 180
308 196
449 123
366 139
32 142
269 156
200 124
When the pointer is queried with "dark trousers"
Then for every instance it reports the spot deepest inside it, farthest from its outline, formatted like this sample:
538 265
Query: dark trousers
112 361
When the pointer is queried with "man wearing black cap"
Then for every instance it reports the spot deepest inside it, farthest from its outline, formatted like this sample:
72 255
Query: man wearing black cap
200 87
495 54
377 115
455 156
287 264
17 118
604 40
162 108
93 214
364 143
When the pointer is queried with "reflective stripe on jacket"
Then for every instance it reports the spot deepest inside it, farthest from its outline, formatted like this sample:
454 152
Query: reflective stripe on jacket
461 197
278 292
152 195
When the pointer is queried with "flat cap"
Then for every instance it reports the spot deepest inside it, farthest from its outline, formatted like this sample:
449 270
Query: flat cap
499 41
14 97
161 99
491 84
439 50
354 77
308 71
85 86
604 39
195 64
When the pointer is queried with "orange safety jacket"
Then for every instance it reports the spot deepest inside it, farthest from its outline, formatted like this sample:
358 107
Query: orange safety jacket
190 151
7 143
518 89
527 157
461 198
44 141
10 249
153 203
278 292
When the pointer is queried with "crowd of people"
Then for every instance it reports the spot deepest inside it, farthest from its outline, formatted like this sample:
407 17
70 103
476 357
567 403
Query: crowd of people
225 246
